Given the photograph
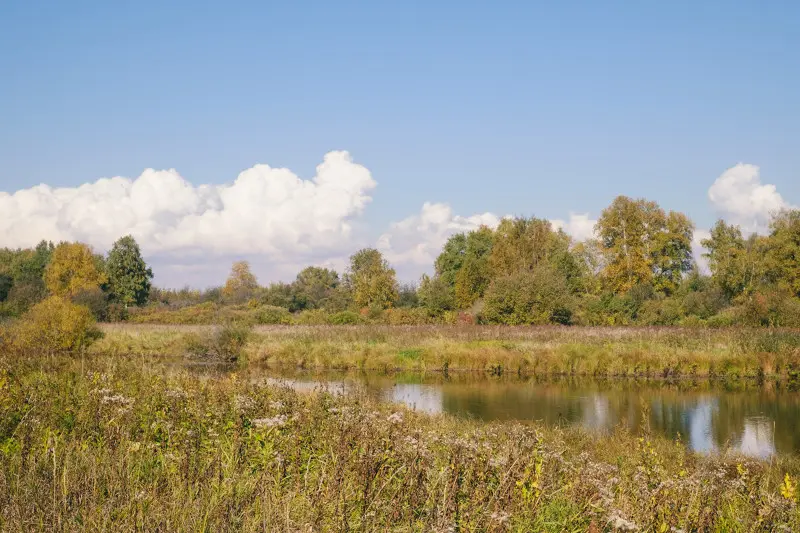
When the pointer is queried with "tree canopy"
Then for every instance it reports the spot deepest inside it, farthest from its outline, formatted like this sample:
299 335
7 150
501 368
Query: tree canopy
73 268
128 274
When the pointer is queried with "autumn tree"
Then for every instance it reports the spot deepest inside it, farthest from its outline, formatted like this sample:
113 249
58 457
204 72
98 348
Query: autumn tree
371 280
73 268
520 244
642 244
726 258
672 253
241 283
128 274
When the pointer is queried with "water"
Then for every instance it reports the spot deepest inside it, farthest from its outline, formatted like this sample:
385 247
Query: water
757 420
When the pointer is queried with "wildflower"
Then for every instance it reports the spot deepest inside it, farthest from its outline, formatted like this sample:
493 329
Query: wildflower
276 421
276 405
500 517
789 488
618 522
176 394
244 403
395 418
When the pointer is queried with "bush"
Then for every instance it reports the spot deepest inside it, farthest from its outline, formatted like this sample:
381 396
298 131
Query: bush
664 312
312 317
93 299
204 313
771 307
54 326
270 314
538 297
405 316
225 343
346 318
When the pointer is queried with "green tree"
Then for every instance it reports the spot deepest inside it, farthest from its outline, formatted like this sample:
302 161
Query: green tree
672 253
727 258
449 262
128 274
540 296
314 288
475 273
6 282
371 280
241 284
407 296
783 247
435 295
72 269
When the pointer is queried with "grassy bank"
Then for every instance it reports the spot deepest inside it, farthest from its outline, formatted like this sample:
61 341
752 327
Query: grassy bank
131 444
652 352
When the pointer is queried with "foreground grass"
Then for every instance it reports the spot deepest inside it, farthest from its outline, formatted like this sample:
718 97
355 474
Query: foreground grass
652 352
128 443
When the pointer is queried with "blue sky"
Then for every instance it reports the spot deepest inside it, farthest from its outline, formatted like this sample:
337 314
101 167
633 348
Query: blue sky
502 107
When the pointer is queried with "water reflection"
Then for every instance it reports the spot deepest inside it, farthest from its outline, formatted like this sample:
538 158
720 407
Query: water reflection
755 420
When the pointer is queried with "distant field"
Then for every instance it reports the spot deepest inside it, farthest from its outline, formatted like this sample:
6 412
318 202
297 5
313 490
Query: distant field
657 352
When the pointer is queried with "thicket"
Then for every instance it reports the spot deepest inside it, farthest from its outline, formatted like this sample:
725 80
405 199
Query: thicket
638 270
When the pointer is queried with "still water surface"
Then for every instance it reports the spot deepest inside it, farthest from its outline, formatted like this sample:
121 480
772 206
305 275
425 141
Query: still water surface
757 420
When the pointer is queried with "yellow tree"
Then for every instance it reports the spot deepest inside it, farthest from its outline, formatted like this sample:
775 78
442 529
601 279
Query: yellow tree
372 281
623 229
72 269
241 282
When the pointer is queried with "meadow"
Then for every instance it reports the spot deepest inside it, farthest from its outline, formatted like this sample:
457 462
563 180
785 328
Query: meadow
133 443
738 353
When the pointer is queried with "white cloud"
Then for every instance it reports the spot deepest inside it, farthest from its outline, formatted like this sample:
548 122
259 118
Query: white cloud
264 211
579 226
698 250
413 243
739 196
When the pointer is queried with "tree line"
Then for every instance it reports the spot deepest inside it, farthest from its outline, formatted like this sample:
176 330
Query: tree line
639 269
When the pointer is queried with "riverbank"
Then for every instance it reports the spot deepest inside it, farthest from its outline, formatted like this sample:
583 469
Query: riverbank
115 442
606 352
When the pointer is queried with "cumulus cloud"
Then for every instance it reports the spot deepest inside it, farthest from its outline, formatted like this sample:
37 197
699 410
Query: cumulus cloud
739 196
265 211
413 243
579 226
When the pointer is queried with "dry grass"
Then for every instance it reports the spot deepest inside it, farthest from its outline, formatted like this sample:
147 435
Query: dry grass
130 443
655 352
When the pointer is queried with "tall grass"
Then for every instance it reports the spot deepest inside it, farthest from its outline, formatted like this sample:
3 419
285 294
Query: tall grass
128 443
649 352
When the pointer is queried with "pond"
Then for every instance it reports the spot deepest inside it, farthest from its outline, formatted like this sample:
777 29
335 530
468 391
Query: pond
758 420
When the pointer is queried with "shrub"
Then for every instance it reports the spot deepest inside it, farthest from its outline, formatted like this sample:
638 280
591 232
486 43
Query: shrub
771 307
224 343
346 318
54 326
93 299
538 297
270 314
664 312
405 316
311 317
